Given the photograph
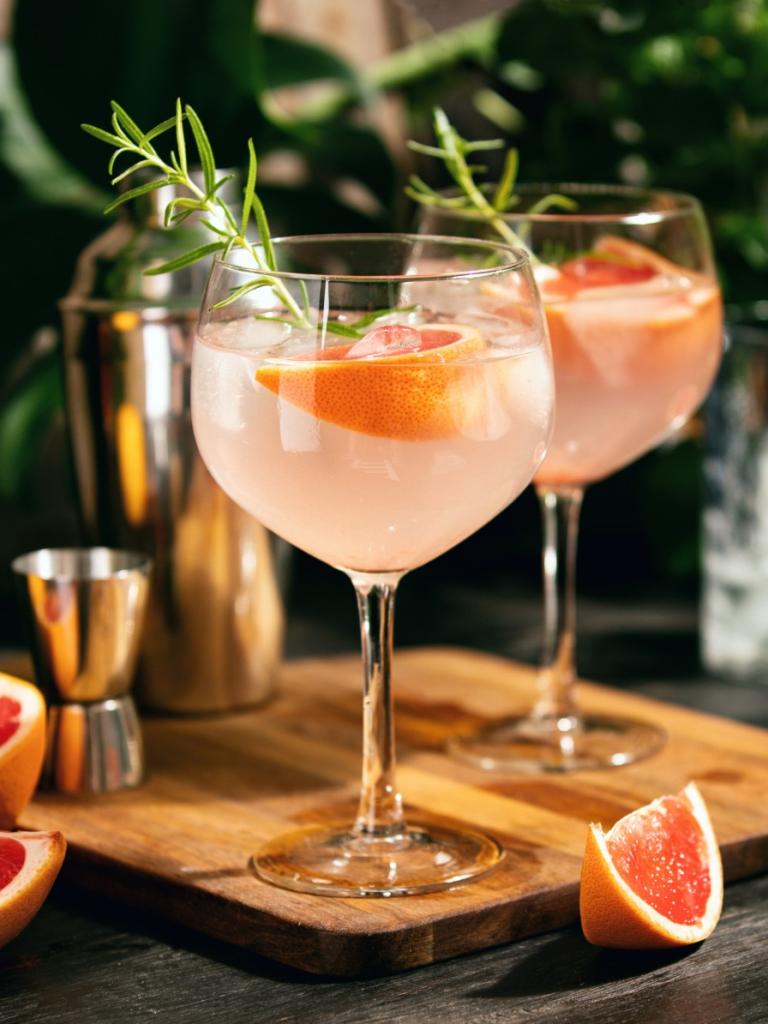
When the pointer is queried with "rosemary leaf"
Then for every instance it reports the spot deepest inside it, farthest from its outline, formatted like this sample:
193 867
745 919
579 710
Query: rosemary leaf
238 293
344 330
193 256
99 133
131 169
377 314
553 201
159 129
476 147
304 299
250 185
222 181
421 186
134 193
204 150
118 153
185 204
216 228
127 123
419 147
181 142
119 130
507 181
264 236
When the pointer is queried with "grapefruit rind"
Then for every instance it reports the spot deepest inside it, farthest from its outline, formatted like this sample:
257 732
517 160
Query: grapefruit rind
21 899
614 916
411 396
21 757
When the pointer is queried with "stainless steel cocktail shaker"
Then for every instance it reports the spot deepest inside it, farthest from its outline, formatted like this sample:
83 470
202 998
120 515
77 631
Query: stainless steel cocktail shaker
214 628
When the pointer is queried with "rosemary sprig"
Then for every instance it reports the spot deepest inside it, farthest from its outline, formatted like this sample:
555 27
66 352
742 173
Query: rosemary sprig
453 150
229 233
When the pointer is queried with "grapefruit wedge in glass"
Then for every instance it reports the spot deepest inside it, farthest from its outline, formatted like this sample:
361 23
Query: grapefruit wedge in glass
655 879
29 864
398 381
22 745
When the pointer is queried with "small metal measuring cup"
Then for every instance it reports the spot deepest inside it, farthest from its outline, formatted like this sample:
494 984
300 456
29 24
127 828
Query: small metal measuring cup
85 608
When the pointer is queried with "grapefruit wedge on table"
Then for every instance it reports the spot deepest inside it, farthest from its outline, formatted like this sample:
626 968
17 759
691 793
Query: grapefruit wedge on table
29 864
398 381
22 745
654 880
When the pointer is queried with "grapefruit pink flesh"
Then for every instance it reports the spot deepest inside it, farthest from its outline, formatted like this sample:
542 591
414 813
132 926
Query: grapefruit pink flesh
29 864
661 855
10 710
596 271
12 857
655 880
22 745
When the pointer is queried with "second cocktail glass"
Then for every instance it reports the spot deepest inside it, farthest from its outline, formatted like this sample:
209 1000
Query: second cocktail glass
373 405
635 320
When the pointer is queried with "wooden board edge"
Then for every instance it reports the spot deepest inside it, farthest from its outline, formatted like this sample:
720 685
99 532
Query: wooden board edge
309 949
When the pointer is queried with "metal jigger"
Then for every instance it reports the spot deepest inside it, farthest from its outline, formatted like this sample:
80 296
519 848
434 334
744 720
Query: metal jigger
86 609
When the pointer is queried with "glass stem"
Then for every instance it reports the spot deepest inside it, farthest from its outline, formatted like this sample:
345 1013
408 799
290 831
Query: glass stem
560 508
380 814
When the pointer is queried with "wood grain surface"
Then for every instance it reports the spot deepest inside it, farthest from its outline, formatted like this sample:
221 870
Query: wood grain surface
218 786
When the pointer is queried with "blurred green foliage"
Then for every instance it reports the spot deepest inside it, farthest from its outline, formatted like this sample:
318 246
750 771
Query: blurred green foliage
668 94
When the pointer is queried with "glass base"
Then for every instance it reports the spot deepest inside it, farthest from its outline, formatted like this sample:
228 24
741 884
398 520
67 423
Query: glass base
332 860
531 744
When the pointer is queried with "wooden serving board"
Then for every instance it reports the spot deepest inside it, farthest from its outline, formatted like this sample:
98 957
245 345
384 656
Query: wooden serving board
218 786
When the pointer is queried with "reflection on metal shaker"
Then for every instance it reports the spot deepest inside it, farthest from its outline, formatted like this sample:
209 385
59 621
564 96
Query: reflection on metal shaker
214 629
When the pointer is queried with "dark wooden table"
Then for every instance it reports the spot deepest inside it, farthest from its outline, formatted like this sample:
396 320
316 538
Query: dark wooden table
88 962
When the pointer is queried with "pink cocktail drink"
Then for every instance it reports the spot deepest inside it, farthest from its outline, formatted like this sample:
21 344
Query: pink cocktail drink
371 459
636 342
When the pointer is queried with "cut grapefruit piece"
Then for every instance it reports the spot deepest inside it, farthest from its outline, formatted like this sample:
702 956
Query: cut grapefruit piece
29 864
397 382
594 270
655 879
627 251
22 745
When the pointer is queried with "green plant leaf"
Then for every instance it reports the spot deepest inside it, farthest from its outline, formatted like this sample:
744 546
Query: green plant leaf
265 238
250 186
283 60
130 170
25 417
507 181
244 289
75 59
345 331
127 123
377 314
204 150
134 193
103 136
193 256
159 129
181 142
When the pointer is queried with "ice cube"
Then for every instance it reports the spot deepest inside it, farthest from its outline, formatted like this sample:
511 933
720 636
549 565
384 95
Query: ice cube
385 341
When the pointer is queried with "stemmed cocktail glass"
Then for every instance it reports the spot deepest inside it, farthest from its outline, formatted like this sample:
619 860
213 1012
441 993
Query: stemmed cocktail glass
635 320
374 404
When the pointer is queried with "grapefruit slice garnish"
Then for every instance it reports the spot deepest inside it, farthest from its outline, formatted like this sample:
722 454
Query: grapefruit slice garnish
655 879
22 745
29 864
398 381
594 270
